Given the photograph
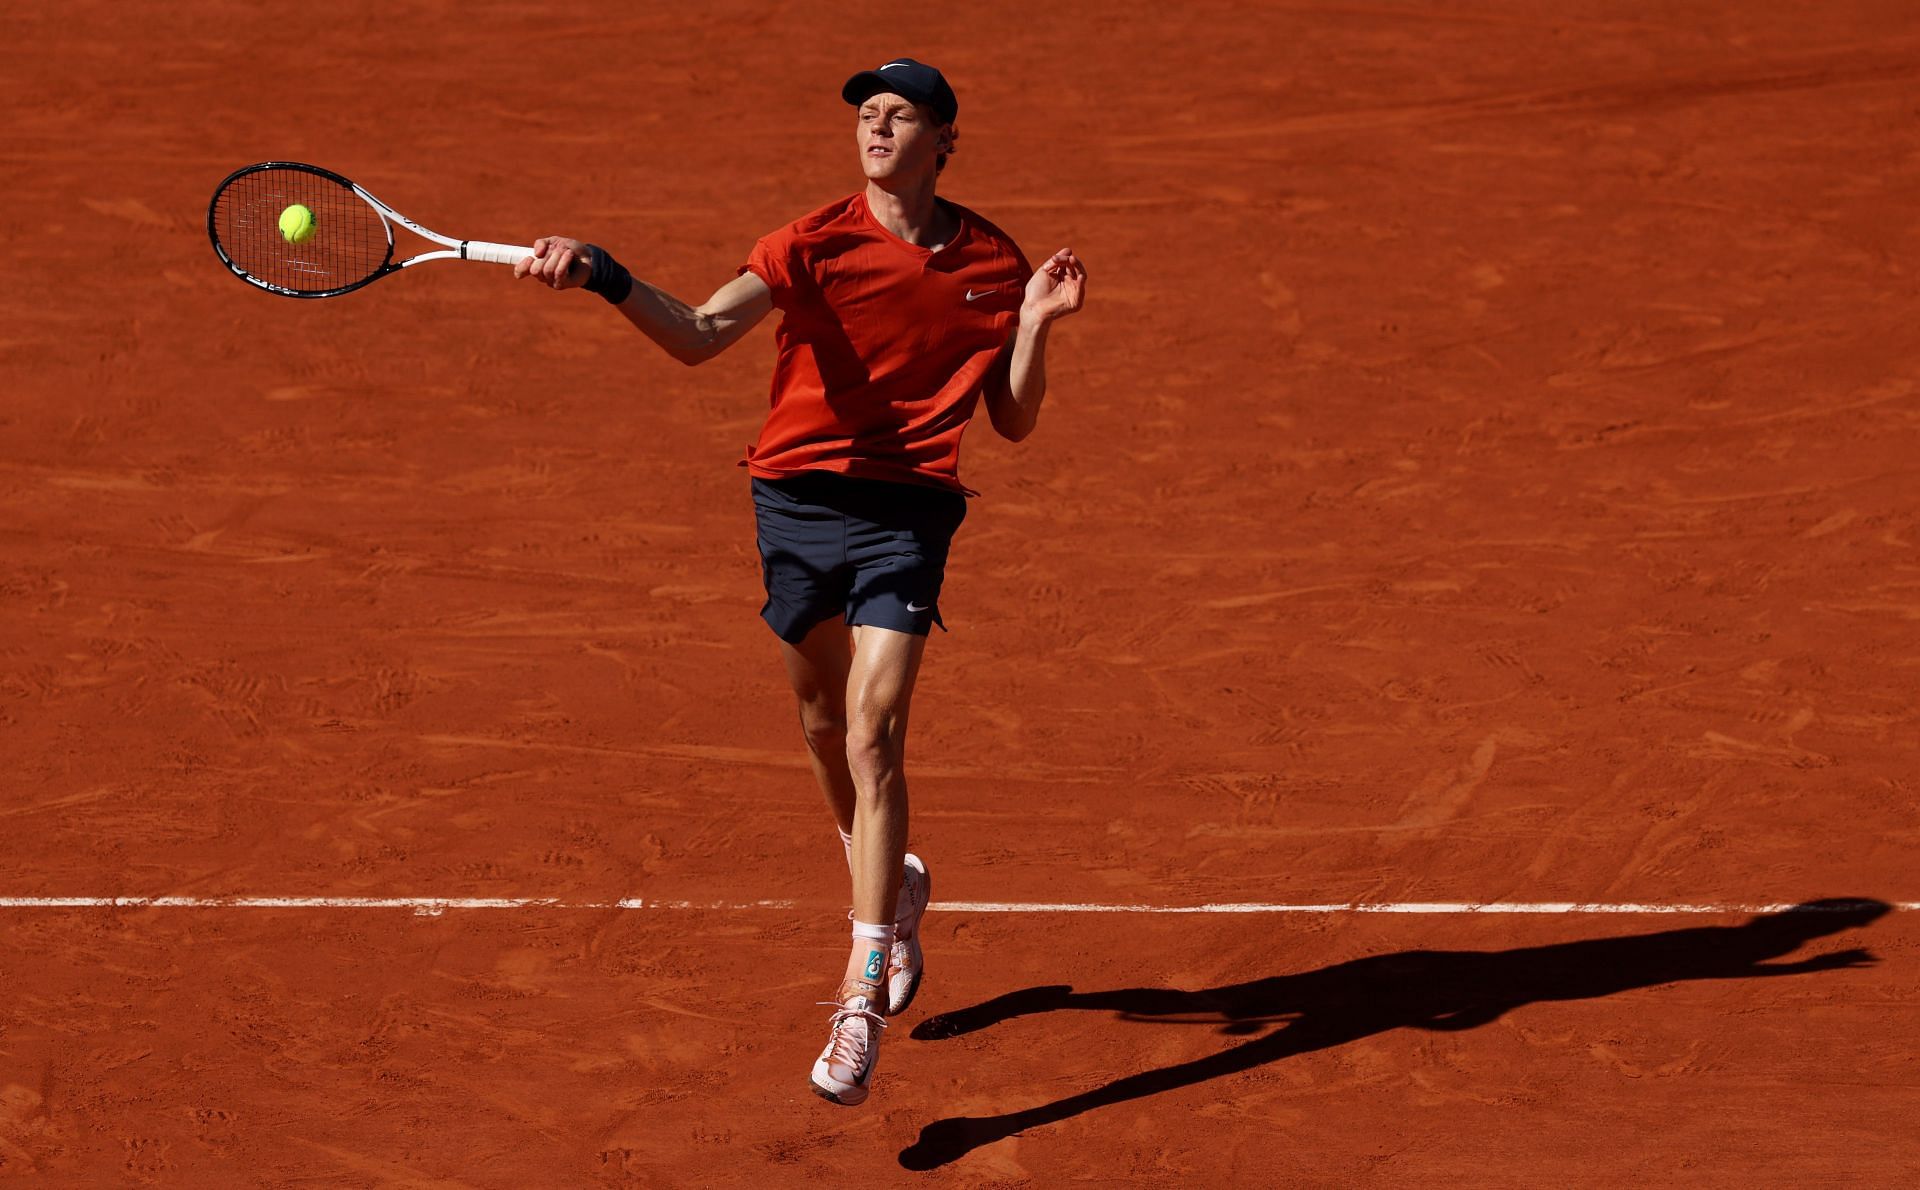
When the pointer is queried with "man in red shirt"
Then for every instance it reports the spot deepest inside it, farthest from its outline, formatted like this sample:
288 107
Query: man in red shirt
900 312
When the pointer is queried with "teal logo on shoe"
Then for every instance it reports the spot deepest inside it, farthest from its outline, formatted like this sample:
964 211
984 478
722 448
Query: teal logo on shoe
876 963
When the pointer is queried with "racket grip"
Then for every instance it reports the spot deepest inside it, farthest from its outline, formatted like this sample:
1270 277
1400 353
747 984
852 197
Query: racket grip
493 253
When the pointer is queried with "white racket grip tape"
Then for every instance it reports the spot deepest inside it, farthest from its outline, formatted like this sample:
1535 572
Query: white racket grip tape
494 253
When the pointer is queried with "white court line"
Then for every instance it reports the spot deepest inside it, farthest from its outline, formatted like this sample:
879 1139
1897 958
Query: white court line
435 906
1415 907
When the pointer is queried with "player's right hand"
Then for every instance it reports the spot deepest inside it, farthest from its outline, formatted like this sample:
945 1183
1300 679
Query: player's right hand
557 262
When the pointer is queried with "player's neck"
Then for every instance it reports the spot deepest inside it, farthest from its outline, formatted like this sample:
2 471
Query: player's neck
910 213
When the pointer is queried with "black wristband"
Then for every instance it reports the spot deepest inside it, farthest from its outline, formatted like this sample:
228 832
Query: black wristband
608 277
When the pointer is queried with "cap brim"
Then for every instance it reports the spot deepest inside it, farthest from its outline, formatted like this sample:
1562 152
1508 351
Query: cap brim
868 83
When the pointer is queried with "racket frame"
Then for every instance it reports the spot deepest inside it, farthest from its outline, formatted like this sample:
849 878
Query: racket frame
481 250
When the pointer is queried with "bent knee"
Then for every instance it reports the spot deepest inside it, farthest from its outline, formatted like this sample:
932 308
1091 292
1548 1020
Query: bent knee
825 726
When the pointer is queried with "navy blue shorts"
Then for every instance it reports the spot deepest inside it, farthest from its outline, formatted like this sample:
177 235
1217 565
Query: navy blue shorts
871 551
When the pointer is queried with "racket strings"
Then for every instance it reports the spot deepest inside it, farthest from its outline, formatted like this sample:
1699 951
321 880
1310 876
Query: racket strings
348 245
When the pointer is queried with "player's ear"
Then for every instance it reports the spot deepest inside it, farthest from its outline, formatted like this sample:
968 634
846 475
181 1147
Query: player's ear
948 135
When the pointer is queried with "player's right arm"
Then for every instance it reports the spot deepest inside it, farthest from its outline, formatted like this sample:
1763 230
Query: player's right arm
690 334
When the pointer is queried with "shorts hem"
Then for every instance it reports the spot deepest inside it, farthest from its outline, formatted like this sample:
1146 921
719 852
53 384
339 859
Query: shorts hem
877 619
795 628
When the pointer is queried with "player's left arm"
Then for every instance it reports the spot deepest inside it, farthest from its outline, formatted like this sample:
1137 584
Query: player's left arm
1018 382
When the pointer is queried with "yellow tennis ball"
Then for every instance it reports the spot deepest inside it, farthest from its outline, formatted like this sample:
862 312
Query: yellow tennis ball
296 224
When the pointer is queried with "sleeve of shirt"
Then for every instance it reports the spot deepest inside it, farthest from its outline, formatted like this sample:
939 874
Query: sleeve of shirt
773 260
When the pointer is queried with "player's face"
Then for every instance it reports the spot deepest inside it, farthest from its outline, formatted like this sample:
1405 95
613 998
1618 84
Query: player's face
897 138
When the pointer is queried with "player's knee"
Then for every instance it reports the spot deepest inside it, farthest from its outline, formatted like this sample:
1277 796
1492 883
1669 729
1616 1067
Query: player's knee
824 721
874 750
826 730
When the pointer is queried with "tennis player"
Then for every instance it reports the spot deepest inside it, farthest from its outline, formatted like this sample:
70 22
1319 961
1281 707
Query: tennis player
900 312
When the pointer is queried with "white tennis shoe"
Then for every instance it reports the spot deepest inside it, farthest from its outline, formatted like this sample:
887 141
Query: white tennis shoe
843 1070
905 962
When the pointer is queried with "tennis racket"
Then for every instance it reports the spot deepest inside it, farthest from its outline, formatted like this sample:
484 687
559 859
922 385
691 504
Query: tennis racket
352 240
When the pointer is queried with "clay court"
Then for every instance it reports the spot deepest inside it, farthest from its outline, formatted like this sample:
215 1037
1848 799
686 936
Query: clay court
1483 477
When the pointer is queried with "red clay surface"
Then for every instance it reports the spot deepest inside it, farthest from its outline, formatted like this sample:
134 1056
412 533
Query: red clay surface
1485 470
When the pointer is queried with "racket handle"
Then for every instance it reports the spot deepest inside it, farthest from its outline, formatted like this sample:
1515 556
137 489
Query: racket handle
493 253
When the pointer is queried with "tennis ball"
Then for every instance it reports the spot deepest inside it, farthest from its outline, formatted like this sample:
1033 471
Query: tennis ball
296 224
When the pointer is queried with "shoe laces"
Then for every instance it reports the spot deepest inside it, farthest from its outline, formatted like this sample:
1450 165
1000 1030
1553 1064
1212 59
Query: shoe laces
847 1046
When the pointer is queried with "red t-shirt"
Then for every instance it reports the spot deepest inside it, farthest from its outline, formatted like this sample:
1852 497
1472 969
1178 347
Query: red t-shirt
883 344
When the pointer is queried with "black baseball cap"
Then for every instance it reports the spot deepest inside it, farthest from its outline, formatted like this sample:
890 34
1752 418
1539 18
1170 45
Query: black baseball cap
908 79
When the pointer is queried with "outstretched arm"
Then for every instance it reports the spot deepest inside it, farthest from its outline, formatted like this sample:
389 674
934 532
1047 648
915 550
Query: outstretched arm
1840 960
690 334
1018 383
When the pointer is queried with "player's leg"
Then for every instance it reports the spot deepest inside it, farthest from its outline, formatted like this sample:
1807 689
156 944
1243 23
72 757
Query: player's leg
896 544
802 540
879 695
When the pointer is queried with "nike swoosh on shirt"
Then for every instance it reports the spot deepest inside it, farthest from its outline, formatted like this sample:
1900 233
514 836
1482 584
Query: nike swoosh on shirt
983 293
917 607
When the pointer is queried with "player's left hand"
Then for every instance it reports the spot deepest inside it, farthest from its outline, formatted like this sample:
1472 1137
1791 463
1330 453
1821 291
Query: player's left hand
1056 289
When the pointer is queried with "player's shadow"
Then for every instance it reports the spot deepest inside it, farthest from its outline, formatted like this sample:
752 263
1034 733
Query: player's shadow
1446 990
